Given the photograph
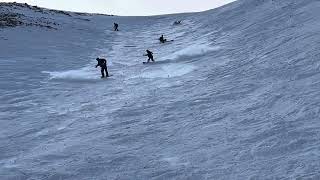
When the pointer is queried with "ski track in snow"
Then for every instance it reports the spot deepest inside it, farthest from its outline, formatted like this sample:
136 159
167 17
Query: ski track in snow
235 96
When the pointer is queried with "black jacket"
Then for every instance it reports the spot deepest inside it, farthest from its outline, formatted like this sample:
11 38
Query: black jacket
102 63
149 53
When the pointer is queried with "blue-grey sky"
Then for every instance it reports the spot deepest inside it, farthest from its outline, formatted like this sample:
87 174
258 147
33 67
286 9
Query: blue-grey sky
128 7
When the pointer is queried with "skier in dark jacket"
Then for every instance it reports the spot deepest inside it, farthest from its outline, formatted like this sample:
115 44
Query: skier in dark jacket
103 64
150 56
115 26
162 39
177 22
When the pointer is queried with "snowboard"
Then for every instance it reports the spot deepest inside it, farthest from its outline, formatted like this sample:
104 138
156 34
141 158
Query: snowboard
148 62
107 77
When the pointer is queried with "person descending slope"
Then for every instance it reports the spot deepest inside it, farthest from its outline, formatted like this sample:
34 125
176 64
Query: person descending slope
177 22
115 26
150 56
162 39
103 64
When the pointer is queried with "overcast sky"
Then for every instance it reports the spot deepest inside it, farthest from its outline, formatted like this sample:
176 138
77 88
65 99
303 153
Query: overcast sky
128 7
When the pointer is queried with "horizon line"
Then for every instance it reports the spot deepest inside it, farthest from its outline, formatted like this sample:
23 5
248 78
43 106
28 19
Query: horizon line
111 14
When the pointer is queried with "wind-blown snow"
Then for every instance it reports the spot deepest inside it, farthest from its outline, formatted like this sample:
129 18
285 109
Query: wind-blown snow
235 96
81 74
192 50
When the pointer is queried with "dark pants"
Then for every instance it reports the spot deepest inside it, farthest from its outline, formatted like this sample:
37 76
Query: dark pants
104 69
150 57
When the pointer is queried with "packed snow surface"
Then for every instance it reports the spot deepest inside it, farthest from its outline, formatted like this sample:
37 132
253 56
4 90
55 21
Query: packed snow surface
236 95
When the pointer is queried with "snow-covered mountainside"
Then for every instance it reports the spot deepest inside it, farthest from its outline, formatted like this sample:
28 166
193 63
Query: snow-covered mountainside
235 96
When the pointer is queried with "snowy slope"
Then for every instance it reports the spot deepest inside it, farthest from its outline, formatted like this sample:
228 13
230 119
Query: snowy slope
235 96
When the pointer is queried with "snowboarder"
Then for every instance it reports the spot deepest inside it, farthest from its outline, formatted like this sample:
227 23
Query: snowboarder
103 64
115 26
177 22
162 39
150 56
